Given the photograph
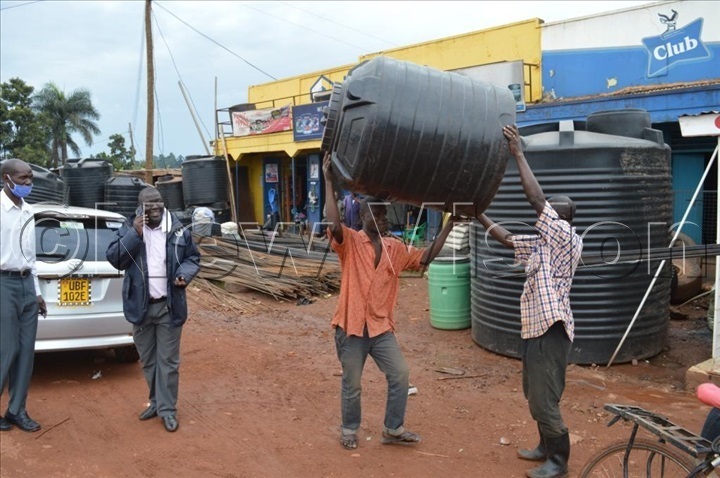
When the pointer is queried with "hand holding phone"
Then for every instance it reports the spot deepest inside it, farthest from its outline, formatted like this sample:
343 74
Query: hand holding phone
140 219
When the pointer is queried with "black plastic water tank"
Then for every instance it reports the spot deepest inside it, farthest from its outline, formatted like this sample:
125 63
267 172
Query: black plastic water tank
48 187
622 190
630 122
204 180
171 189
121 194
548 127
86 181
415 135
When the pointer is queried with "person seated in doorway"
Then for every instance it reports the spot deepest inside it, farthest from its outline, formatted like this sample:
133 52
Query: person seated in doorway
273 218
300 218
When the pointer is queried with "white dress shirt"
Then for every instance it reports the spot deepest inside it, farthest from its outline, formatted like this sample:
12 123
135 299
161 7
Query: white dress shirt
17 237
155 248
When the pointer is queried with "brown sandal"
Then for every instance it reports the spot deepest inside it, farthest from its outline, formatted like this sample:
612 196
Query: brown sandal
349 442
405 438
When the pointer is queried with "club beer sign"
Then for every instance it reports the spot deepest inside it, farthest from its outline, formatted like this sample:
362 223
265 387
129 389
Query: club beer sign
675 45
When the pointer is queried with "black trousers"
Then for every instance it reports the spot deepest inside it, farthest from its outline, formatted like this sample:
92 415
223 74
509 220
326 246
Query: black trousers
711 428
18 328
544 363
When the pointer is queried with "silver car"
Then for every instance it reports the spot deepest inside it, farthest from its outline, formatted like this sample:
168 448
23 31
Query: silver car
83 292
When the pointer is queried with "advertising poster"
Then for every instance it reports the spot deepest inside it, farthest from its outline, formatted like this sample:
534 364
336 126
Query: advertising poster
271 173
306 119
269 120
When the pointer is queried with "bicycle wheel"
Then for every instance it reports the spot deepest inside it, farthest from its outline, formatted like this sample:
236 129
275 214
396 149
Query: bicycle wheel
647 459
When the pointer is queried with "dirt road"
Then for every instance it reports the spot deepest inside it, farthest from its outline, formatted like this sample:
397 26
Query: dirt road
259 397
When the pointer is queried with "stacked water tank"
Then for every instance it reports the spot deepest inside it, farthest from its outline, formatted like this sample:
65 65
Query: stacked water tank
48 187
617 171
86 180
171 189
205 184
121 194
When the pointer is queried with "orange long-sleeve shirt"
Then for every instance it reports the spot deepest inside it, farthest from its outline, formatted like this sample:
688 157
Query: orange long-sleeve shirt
368 294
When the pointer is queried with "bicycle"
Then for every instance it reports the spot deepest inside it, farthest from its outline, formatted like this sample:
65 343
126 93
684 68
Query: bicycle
639 457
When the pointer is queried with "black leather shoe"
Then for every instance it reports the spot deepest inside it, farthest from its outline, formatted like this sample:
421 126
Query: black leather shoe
148 413
23 421
4 425
171 423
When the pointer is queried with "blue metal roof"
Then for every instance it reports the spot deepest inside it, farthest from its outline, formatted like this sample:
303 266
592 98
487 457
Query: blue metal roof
663 105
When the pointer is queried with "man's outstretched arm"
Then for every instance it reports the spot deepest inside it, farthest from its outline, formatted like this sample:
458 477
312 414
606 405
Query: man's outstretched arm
498 232
530 185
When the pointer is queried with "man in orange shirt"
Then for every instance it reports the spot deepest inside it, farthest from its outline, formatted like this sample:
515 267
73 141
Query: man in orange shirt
371 265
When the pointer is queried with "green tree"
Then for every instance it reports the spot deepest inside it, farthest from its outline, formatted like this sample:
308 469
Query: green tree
167 162
66 115
120 156
23 133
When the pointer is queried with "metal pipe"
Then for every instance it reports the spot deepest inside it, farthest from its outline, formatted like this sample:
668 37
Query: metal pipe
292 188
192 114
716 320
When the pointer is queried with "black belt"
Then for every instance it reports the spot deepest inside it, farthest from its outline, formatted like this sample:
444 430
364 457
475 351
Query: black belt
157 301
23 273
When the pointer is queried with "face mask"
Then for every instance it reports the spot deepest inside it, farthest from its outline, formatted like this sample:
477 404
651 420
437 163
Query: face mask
19 190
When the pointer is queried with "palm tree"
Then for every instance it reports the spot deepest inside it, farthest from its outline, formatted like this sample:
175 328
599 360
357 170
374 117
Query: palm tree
66 115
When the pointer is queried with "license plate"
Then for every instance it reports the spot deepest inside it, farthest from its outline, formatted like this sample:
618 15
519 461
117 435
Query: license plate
74 291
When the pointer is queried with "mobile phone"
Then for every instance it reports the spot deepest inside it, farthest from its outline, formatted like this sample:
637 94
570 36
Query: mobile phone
140 211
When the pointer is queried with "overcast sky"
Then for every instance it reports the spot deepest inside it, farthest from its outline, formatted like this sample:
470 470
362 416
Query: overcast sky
99 45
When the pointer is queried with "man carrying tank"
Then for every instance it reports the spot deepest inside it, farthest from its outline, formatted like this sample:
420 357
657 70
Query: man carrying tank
371 264
547 328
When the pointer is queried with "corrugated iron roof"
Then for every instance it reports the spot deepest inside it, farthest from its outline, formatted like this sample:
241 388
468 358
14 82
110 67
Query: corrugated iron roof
635 90
701 113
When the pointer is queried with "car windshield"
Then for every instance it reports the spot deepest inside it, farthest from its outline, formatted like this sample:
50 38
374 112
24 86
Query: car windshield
60 238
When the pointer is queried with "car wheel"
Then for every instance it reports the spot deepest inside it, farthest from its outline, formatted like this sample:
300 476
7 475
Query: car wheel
127 354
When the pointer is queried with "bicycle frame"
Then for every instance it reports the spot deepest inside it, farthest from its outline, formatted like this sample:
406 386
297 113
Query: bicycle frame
667 432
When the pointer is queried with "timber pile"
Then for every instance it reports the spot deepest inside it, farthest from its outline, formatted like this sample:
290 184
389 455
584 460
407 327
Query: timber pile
219 299
285 273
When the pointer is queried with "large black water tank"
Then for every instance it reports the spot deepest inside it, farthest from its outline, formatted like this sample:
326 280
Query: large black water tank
86 181
630 122
622 190
121 194
204 180
48 187
414 134
171 189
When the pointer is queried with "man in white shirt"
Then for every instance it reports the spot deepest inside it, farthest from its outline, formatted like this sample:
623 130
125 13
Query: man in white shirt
19 293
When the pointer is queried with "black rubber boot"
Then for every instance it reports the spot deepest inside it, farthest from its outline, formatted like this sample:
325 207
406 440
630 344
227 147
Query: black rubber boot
538 454
556 464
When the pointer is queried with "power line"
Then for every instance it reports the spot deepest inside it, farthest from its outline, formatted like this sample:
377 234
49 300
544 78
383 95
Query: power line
157 24
218 44
363 49
21 5
340 24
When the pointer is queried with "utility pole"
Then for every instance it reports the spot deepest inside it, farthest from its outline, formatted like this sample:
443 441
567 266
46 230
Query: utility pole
132 147
150 93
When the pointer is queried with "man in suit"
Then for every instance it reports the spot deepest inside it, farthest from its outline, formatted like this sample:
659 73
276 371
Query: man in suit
160 259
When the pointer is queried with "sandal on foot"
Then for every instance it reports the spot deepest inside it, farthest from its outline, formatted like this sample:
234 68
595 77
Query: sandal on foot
405 438
349 442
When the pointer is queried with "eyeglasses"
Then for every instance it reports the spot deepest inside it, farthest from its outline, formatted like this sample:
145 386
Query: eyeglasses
153 204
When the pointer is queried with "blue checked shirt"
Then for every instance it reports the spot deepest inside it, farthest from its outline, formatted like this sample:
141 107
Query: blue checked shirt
550 260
